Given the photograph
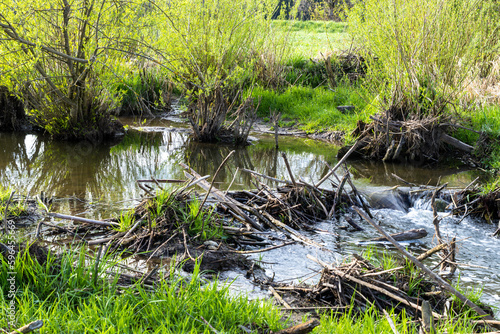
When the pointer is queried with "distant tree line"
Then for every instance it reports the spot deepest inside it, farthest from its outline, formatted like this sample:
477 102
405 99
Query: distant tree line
311 9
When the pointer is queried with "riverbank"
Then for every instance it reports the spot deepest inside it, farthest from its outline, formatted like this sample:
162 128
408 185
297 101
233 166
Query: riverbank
183 221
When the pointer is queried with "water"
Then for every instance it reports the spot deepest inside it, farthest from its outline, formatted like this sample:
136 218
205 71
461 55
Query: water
98 179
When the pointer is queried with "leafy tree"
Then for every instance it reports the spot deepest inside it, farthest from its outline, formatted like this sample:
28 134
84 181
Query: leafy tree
58 56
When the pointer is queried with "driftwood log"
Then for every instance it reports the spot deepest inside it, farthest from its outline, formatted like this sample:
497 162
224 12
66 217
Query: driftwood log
304 328
29 327
402 236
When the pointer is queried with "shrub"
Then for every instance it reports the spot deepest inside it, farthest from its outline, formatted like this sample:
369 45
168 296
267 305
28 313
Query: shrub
55 56
421 54
212 48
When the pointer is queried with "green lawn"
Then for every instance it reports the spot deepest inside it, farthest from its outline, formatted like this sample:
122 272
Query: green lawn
308 39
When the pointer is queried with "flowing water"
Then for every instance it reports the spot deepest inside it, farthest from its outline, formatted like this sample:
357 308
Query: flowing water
97 180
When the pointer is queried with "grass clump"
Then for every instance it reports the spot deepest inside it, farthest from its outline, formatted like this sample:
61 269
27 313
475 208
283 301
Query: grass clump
16 207
72 296
373 321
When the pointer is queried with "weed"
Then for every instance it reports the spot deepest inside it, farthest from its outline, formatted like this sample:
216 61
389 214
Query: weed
126 220
16 207
201 223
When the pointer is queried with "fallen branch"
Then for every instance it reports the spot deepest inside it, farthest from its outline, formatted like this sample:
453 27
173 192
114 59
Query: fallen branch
83 220
341 161
304 328
406 235
431 274
29 327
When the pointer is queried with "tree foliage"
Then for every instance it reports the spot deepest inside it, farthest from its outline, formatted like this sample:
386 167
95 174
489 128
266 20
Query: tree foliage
57 55
424 52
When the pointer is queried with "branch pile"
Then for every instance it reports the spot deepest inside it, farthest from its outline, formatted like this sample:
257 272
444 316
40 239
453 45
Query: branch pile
396 136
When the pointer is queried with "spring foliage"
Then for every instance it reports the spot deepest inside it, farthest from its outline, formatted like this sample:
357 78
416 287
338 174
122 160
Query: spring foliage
59 56
424 52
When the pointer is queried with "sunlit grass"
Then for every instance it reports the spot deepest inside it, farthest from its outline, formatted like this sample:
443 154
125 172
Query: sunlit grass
16 208
72 297
308 39
316 108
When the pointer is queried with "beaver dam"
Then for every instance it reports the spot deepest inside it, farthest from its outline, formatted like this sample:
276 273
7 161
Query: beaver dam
296 223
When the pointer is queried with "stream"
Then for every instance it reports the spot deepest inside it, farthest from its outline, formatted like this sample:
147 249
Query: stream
97 180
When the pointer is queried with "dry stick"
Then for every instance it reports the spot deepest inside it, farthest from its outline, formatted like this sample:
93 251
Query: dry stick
341 161
403 180
32 326
370 286
304 328
210 189
279 298
267 177
186 249
83 220
145 189
264 249
232 181
163 244
353 224
103 240
161 181
210 326
391 322
337 196
435 277
289 169
365 207
144 278
6 213
157 183
7 248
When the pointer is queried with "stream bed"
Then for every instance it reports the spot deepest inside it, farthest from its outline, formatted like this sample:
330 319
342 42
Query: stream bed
97 180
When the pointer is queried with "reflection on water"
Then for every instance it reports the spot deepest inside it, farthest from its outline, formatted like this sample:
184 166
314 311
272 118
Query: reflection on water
101 174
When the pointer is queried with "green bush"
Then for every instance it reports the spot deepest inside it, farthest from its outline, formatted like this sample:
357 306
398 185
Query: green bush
58 58
213 49
421 54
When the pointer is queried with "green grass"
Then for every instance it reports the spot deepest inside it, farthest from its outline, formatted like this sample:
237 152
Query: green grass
315 109
16 208
373 322
202 222
487 120
308 39
126 220
65 295
74 295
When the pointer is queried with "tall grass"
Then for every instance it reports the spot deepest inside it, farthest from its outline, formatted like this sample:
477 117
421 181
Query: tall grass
63 293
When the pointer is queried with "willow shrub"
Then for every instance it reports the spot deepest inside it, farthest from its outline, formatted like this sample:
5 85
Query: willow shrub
58 56
421 54
214 49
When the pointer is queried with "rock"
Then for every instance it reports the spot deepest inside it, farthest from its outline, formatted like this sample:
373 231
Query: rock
346 109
